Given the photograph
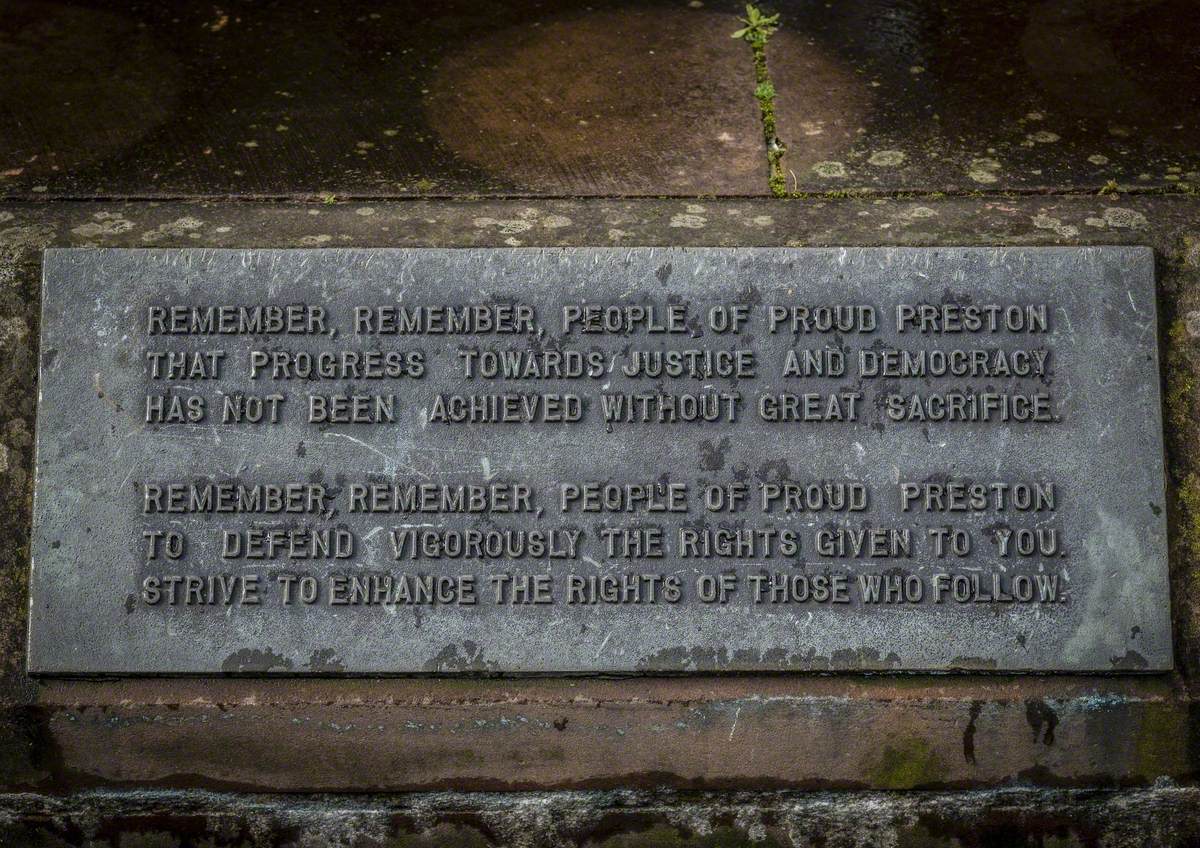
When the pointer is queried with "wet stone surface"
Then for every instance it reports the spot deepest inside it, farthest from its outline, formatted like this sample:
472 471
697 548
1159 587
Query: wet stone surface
912 95
515 98
588 460
177 99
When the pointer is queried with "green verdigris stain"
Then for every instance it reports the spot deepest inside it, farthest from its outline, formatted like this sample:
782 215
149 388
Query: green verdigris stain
910 763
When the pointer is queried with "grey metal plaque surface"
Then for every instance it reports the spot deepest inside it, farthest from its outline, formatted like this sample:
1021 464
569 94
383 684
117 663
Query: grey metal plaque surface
599 460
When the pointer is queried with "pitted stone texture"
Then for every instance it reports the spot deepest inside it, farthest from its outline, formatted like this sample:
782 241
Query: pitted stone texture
1166 816
1105 459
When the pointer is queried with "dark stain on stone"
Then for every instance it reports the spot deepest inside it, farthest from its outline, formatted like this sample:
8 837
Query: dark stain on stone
560 724
1131 661
1042 719
130 602
451 658
974 663
663 273
301 450
251 659
969 733
712 454
325 659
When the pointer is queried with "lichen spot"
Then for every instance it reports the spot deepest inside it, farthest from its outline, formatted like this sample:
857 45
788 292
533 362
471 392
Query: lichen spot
1192 322
1098 159
690 222
1124 219
1045 222
983 170
887 158
829 169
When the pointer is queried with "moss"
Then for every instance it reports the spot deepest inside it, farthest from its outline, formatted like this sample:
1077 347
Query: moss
1159 748
1189 503
1181 384
757 31
908 764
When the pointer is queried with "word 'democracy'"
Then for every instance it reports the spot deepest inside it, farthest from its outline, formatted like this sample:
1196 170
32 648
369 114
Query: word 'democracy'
590 460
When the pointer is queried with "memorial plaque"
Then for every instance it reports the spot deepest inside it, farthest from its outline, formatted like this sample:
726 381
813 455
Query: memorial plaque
599 460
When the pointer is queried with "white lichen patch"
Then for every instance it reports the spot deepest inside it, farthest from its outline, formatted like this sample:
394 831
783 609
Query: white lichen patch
690 222
694 209
1043 137
556 222
316 241
1095 222
1034 116
1192 321
1045 222
1098 159
507 226
829 169
812 127
983 170
919 212
12 330
103 224
6 216
763 221
616 235
365 211
3 457
178 228
886 158
1124 219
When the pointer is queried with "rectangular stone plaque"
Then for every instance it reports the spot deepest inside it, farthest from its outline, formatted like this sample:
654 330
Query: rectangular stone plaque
599 460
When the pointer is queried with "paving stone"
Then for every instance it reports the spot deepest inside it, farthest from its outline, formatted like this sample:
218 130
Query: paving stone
282 99
1010 96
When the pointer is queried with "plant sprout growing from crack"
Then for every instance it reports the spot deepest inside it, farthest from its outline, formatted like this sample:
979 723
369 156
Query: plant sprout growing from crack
757 26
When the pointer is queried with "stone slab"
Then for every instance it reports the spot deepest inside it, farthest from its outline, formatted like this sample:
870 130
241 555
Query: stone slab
96 453
173 100
954 97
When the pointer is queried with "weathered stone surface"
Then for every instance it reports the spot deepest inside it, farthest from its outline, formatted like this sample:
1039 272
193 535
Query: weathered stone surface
1008 541
1166 816
173 99
930 96
1128 730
